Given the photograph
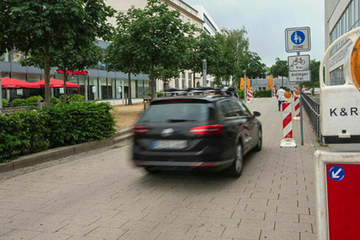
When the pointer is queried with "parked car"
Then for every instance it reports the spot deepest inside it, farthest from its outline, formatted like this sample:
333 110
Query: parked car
317 91
307 91
212 132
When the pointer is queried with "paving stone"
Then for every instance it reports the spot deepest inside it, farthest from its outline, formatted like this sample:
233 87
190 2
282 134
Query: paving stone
308 236
206 230
241 232
248 215
108 233
279 235
139 235
293 227
19 234
172 228
282 217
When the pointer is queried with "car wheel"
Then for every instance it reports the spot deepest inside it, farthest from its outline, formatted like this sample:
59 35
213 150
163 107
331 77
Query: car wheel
236 168
152 170
259 143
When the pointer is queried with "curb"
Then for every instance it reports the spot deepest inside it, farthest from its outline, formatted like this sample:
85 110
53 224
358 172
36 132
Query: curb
60 152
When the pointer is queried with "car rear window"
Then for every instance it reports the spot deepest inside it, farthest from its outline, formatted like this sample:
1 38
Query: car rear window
177 112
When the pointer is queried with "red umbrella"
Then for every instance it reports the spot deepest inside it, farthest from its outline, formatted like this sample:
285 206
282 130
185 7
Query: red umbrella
56 83
14 83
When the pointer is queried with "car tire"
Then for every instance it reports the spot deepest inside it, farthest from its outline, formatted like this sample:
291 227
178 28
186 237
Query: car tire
236 168
258 146
152 170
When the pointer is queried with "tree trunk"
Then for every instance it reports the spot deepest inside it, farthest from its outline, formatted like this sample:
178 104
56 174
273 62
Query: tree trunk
152 79
129 90
282 81
65 78
47 79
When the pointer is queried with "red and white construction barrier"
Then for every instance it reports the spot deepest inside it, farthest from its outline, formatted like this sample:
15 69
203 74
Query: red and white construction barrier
287 140
296 107
251 93
248 96
274 93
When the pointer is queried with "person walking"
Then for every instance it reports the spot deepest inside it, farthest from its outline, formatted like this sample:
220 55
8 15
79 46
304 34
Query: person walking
280 96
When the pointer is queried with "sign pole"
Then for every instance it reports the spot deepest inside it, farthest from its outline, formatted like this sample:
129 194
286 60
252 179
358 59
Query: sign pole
245 90
1 106
301 114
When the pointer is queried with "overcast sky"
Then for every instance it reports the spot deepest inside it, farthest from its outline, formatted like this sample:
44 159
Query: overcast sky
266 21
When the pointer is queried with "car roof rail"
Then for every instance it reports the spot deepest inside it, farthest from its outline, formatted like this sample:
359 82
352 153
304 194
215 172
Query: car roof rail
211 91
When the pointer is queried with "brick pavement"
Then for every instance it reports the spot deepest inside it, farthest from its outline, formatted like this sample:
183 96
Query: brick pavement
100 195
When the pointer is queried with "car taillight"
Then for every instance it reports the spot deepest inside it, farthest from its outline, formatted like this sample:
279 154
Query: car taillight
140 130
207 129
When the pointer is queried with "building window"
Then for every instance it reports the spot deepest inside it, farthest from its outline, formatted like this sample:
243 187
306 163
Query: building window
211 26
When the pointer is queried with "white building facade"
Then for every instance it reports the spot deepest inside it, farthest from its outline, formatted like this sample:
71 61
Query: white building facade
196 15
341 16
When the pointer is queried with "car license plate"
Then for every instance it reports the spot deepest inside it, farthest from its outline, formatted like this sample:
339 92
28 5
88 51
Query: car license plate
168 144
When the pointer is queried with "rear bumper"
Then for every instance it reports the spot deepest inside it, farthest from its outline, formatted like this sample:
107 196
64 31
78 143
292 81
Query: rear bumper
185 166
182 164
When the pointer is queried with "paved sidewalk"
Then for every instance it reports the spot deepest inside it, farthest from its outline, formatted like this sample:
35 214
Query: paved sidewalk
101 196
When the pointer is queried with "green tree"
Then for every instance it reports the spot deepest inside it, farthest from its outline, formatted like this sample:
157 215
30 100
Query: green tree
204 46
314 71
165 75
43 27
122 53
159 37
238 44
225 58
68 59
251 62
280 69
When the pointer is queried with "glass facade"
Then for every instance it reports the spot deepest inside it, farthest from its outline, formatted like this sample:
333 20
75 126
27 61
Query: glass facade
348 21
337 77
93 86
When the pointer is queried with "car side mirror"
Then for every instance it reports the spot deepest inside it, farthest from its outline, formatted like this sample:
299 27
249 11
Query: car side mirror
256 114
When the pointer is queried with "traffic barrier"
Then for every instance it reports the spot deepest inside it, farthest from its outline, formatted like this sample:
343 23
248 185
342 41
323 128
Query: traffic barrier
248 96
287 140
274 93
251 93
296 107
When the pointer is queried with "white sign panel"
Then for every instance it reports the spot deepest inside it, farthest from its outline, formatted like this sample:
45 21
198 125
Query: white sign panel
297 39
299 76
299 63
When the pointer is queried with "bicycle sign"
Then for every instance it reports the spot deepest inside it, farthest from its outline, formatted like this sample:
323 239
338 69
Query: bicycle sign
299 63
297 39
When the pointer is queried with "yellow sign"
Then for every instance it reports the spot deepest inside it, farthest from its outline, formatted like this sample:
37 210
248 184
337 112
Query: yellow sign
355 63
287 94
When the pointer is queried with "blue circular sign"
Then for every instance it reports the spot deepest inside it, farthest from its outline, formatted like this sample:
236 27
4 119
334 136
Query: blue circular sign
298 37
336 173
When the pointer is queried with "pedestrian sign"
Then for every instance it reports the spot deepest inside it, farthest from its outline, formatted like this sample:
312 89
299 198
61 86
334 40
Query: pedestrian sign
297 39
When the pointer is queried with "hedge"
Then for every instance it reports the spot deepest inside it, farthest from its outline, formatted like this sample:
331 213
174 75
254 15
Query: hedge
263 93
240 93
25 132
4 102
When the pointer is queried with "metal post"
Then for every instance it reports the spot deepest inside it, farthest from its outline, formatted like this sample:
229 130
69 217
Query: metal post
122 91
204 72
1 106
301 113
245 93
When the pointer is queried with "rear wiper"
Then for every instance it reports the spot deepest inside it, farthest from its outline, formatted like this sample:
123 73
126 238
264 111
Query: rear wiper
180 120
